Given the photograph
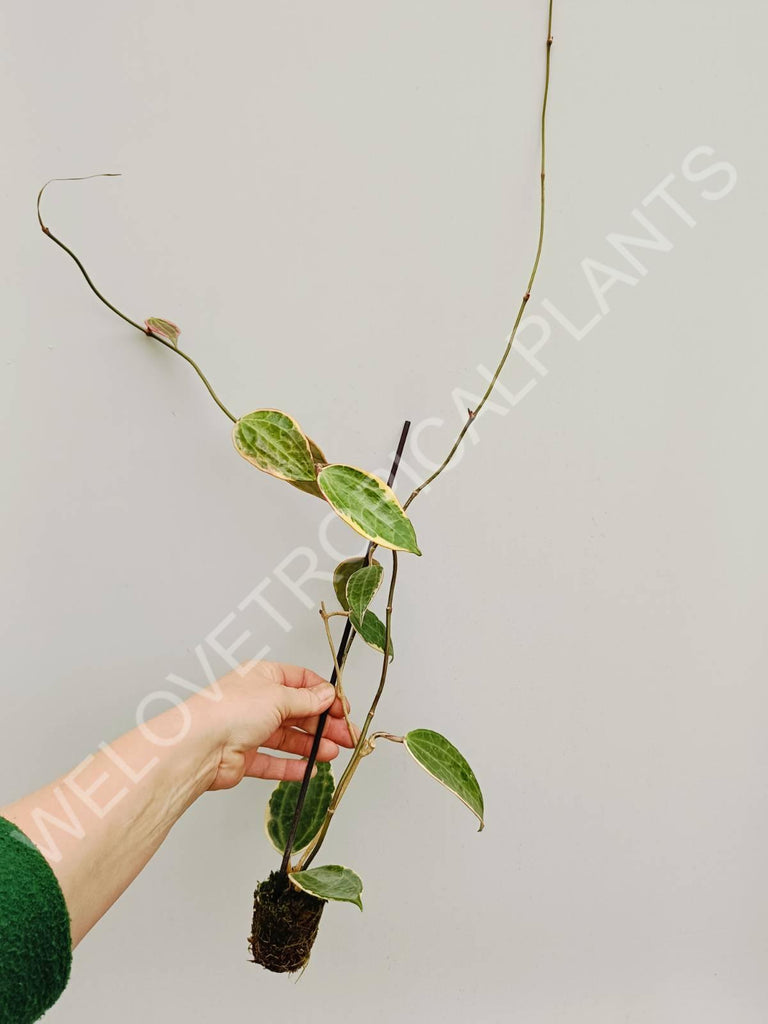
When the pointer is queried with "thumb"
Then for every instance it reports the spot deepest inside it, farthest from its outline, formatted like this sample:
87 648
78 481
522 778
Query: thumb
305 702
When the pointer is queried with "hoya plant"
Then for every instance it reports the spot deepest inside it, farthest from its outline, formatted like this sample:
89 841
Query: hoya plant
288 905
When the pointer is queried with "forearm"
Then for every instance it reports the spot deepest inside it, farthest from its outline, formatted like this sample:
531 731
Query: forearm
100 824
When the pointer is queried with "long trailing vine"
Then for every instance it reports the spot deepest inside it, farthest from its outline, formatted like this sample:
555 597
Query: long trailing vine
161 330
288 905
363 746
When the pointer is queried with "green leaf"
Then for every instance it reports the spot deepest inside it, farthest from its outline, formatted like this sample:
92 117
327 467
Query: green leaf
443 761
369 506
273 442
331 882
370 627
165 328
341 575
310 486
282 805
361 587
373 631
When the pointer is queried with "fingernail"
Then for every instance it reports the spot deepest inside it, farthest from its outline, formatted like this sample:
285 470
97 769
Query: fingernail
326 691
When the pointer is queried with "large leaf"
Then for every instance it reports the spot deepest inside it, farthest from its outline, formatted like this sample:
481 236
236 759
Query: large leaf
443 761
369 506
165 328
331 882
282 805
361 587
373 631
310 486
273 442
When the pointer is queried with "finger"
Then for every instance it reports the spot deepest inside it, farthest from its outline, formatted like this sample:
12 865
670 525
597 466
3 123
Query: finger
292 741
282 769
336 710
305 701
295 676
335 729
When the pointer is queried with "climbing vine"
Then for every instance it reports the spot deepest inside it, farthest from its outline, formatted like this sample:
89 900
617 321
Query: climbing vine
288 905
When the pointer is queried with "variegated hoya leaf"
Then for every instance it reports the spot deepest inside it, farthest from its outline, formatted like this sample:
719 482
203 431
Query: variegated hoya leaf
341 575
361 588
282 806
443 762
373 631
369 506
310 486
331 882
165 328
272 441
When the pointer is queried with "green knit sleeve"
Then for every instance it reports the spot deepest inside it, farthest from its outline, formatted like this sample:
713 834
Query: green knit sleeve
35 944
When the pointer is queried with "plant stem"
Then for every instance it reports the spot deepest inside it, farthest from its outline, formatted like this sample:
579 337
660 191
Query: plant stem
339 669
347 639
362 748
139 327
474 413
384 736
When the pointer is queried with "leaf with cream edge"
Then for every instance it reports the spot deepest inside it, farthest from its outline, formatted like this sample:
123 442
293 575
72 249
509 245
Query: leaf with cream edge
369 506
310 486
331 882
342 573
373 631
165 328
361 588
273 442
282 805
355 583
443 762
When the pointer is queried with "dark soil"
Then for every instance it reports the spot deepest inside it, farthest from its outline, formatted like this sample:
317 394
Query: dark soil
285 925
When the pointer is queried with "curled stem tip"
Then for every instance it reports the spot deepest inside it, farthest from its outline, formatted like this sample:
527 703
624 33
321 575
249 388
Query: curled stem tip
139 327
82 177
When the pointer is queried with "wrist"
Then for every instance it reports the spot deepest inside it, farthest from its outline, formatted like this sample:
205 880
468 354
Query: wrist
187 741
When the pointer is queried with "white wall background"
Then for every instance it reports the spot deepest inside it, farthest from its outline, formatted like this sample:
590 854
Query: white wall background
337 202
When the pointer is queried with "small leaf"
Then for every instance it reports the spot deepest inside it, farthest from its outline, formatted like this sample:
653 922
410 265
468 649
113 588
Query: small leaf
361 587
341 575
443 761
369 506
282 805
370 627
273 442
331 882
310 486
165 328
373 631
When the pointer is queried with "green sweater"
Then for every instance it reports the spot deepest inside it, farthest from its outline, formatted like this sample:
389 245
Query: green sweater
35 944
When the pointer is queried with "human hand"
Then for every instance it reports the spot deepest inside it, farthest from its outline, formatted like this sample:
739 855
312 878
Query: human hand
274 706
211 741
